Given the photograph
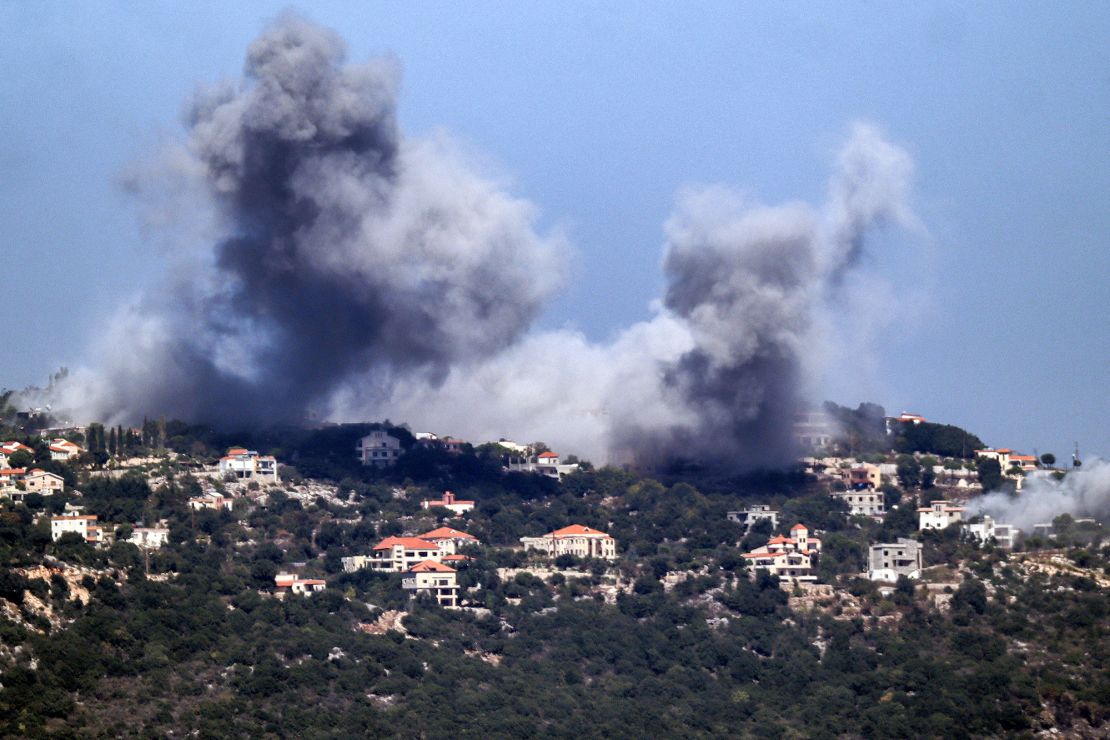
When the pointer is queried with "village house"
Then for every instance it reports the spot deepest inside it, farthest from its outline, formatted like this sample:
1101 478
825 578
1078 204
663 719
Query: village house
9 477
379 448
858 476
243 464
435 579
10 448
62 450
83 525
939 515
790 558
755 513
398 554
212 500
888 561
300 586
449 502
812 430
42 482
1004 535
149 538
863 502
546 463
576 540
449 540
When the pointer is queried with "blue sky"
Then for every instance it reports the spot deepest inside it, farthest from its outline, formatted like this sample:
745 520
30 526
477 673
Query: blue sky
599 114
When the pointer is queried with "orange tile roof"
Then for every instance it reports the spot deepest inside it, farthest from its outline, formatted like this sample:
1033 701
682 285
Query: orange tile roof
431 566
548 454
456 558
409 543
575 530
446 533
798 526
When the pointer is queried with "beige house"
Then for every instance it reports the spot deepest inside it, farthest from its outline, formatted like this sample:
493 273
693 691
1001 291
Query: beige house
938 515
297 585
435 579
213 501
577 540
39 481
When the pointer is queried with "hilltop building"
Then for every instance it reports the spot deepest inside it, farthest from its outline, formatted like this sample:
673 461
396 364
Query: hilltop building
888 561
578 540
243 464
379 448
546 463
449 502
755 513
939 515
433 578
813 430
790 558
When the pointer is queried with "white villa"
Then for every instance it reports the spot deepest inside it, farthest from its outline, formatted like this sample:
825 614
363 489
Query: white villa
297 585
790 558
449 502
62 450
243 464
81 524
576 539
449 540
149 538
1004 534
749 516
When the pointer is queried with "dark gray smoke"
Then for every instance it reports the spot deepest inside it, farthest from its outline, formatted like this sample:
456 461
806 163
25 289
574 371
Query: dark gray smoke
348 250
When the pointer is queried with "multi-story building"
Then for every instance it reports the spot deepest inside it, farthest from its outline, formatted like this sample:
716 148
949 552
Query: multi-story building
379 448
433 578
888 561
243 464
398 554
790 558
864 502
47 484
756 513
583 542
813 430
1004 535
62 450
80 524
939 515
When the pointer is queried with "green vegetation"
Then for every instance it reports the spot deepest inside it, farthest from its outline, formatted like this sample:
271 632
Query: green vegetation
672 639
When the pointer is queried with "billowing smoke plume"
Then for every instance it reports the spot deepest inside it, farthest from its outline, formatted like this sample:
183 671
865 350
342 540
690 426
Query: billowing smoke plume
362 275
720 372
1084 493
347 249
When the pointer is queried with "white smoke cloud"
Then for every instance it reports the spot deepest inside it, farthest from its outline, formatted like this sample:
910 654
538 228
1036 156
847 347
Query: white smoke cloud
1083 493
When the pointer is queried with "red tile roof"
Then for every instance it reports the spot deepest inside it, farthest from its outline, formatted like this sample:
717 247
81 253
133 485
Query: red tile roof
546 455
446 533
409 543
798 526
431 566
575 530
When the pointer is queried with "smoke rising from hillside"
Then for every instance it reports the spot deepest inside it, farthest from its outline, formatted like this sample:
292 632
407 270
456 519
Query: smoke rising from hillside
1085 493
362 274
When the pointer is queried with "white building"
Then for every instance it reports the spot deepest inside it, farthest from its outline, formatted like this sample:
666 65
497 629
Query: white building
577 540
864 502
379 448
1004 534
756 513
449 502
546 463
434 578
243 464
80 524
297 585
939 515
888 561
62 450
398 554
149 538
790 558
